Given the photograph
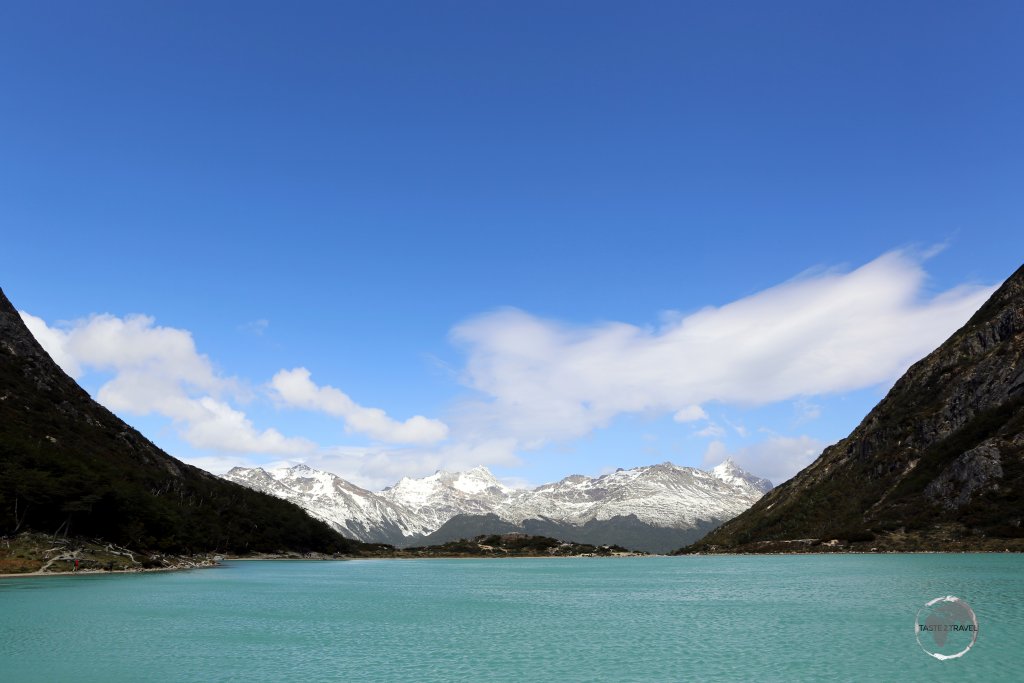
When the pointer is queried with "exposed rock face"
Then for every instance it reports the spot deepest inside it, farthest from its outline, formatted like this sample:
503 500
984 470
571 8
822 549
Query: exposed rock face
943 448
977 470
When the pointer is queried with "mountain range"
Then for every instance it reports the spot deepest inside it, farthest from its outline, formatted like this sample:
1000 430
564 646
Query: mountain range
938 464
655 508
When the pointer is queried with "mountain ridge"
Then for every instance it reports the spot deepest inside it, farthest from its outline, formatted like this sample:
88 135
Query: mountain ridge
937 464
657 506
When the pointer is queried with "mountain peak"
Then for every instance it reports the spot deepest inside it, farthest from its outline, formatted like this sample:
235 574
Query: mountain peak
647 505
479 472
302 467
731 473
726 466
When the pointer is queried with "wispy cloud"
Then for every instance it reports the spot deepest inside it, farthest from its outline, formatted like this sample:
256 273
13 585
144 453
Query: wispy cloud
713 429
255 327
538 381
822 333
294 388
806 410
690 414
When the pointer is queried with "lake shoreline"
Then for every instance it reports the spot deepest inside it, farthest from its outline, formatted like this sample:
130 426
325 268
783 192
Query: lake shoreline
104 572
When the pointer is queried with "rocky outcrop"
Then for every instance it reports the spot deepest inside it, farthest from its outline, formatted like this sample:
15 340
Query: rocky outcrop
975 471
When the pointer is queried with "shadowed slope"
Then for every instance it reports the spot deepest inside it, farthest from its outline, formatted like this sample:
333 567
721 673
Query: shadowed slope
70 466
937 464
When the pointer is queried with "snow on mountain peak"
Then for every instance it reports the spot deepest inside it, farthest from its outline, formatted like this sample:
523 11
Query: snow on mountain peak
442 495
665 495
725 467
729 472
477 480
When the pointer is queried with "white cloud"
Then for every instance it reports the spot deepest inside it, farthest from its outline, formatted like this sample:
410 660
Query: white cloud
158 370
777 458
806 410
133 343
538 380
738 428
713 429
829 332
295 388
716 453
53 341
690 414
218 426
255 327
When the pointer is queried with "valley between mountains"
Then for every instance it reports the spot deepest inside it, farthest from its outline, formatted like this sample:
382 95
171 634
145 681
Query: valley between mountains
656 508
937 465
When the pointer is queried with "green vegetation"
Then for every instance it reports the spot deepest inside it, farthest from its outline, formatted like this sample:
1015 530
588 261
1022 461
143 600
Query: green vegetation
620 530
514 545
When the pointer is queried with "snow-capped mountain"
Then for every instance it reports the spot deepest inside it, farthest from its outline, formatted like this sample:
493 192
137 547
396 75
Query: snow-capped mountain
443 495
731 474
661 495
625 506
353 511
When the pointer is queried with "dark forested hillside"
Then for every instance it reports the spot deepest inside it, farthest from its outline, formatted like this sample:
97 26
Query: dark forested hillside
69 466
937 465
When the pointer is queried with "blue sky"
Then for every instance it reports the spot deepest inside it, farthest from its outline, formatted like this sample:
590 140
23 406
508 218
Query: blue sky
384 238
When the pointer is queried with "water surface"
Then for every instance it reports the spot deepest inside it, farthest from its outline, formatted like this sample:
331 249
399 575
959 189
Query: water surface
776 618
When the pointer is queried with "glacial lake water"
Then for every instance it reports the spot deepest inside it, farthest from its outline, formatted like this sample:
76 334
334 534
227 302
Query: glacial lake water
778 618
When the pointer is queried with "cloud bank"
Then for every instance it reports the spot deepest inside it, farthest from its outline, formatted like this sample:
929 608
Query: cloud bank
537 381
541 380
157 370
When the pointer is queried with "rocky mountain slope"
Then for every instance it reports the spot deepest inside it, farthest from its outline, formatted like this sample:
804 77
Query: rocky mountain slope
351 510
68 466
938 464
652 508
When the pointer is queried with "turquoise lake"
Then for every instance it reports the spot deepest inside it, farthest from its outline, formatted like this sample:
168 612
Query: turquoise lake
778 618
